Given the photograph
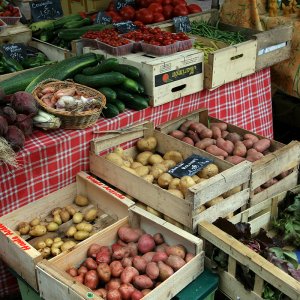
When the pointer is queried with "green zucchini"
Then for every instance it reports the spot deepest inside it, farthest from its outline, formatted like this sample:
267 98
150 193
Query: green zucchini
105 66
100 80
120 105
109 93
110 111
130 85
65 69
20 81
77 24
128 71
59 23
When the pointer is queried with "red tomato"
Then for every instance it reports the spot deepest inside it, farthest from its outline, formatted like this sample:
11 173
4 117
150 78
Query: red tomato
144 15
180 10
138 23
127 12
194 8
179 2
155 8
168 11
166 2
144 3
111 6
158 17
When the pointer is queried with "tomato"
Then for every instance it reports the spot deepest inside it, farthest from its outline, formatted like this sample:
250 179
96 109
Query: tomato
194 8
144 15
111 6
168 11
166 2
178 2
158 17
144 3
180 10
127 12
155 8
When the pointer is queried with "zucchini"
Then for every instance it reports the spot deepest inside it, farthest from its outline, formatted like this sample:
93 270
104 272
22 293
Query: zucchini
120 105
77 24
109 93
110 111
130 85
64 69
20 81
100 80
128 71
65 19
105 66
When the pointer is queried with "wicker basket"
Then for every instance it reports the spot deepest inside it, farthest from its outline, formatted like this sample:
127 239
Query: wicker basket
72 120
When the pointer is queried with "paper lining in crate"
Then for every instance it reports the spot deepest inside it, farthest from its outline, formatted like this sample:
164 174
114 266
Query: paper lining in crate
282 158
166 78
258 216
189 211
55 283
19 253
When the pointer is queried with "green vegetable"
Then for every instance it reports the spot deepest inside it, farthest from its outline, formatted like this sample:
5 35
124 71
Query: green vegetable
77 24
11 64
123 95
120 105
137 103
105 66
47 35
110 111
42 25
46 121
128 71
35 61
130 85
59 23
140 88
109 93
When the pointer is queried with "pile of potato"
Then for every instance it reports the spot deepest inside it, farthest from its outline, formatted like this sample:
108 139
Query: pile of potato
131 267
80 228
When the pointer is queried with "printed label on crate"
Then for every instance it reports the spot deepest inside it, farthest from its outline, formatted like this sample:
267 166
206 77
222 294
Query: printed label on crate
190 166
271 48
124 27
45 10
102 18
119 4
182 24
178 74
16 51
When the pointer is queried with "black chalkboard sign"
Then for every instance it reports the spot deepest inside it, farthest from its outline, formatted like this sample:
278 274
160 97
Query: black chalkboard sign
182 24
190 166
16 51
119 4
124 27
45 10
102 18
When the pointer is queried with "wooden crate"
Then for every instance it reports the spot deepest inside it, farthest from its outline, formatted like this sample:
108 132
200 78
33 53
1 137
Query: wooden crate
184 72
18 33
19 254
282 158
259 216
184 212
55 283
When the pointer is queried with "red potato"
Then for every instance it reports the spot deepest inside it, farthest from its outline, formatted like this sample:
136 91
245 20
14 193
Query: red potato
205 133
248 143
224 134
253 155
132 248
178 250
177 134
197 127
283 174
142 282
162 247
127 234
258 190
262 145
121 253
152 270
113 295
184 127
158 238
120 242
235 159
233 137
165 271
90 264
159 256
126 290
175 262
116 246
126 262
82 270
221 157
146 291
189 256
93 250
227 146
251 137
146 243
148 256
113 284
105 249
80 278
205 143
139 263
215 150
239 149
221 125
128 274
193 135
269 183
104 272
91 279
216 132
116 268
188 140
103 257
73 272
137 295
101 292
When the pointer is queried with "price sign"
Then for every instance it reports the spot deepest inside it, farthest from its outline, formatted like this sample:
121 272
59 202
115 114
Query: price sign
45 10
102 18
190 166
119 4
124 27
16 51
182 24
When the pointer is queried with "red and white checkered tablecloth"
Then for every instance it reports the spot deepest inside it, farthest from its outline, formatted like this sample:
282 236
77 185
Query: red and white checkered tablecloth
51 160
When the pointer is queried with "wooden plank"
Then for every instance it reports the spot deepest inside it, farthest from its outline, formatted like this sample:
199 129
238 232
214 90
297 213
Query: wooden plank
18 33
249 258
261 221
258 285
231 266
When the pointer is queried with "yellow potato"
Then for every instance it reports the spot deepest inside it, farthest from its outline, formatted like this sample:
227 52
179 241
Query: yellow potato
77 218
35 221
147 144
57 244
90 215
161 166
164 180
52 226
57 219
156 171
41 245
130 170
154 211
209 171
115 159
46 252
84 227
155 159
57 239
119 150
214 201
81 235
195 178
81 200
56 210
48 242
200 209
38 230
149 178
174 184
143 157
64 215
67 245
232 191
173 155
55 251
169 163
71 210
185 183
127 164
23 227
176 193
142 171
135 165
71 231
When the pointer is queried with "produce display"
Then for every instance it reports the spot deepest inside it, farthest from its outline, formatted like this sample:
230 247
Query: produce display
131 267
8 10
226 145
205 49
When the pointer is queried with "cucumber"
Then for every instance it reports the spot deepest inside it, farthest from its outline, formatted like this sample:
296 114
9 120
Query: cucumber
130 85
77 24
109 93
65 69
140 87
139 97
123 95
128 71
105 66
120 105
110 111
65 19
100 80
135 101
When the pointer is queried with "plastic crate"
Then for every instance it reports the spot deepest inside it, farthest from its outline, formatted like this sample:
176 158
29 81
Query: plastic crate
159 50
89 43
12 20
185 45
3 26
116 51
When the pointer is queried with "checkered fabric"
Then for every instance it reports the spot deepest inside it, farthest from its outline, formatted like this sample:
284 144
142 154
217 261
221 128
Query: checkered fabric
50 160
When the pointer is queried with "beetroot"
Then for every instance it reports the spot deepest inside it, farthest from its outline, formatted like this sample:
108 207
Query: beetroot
15 137
9 114
2 95
24 103
3 126
25 123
